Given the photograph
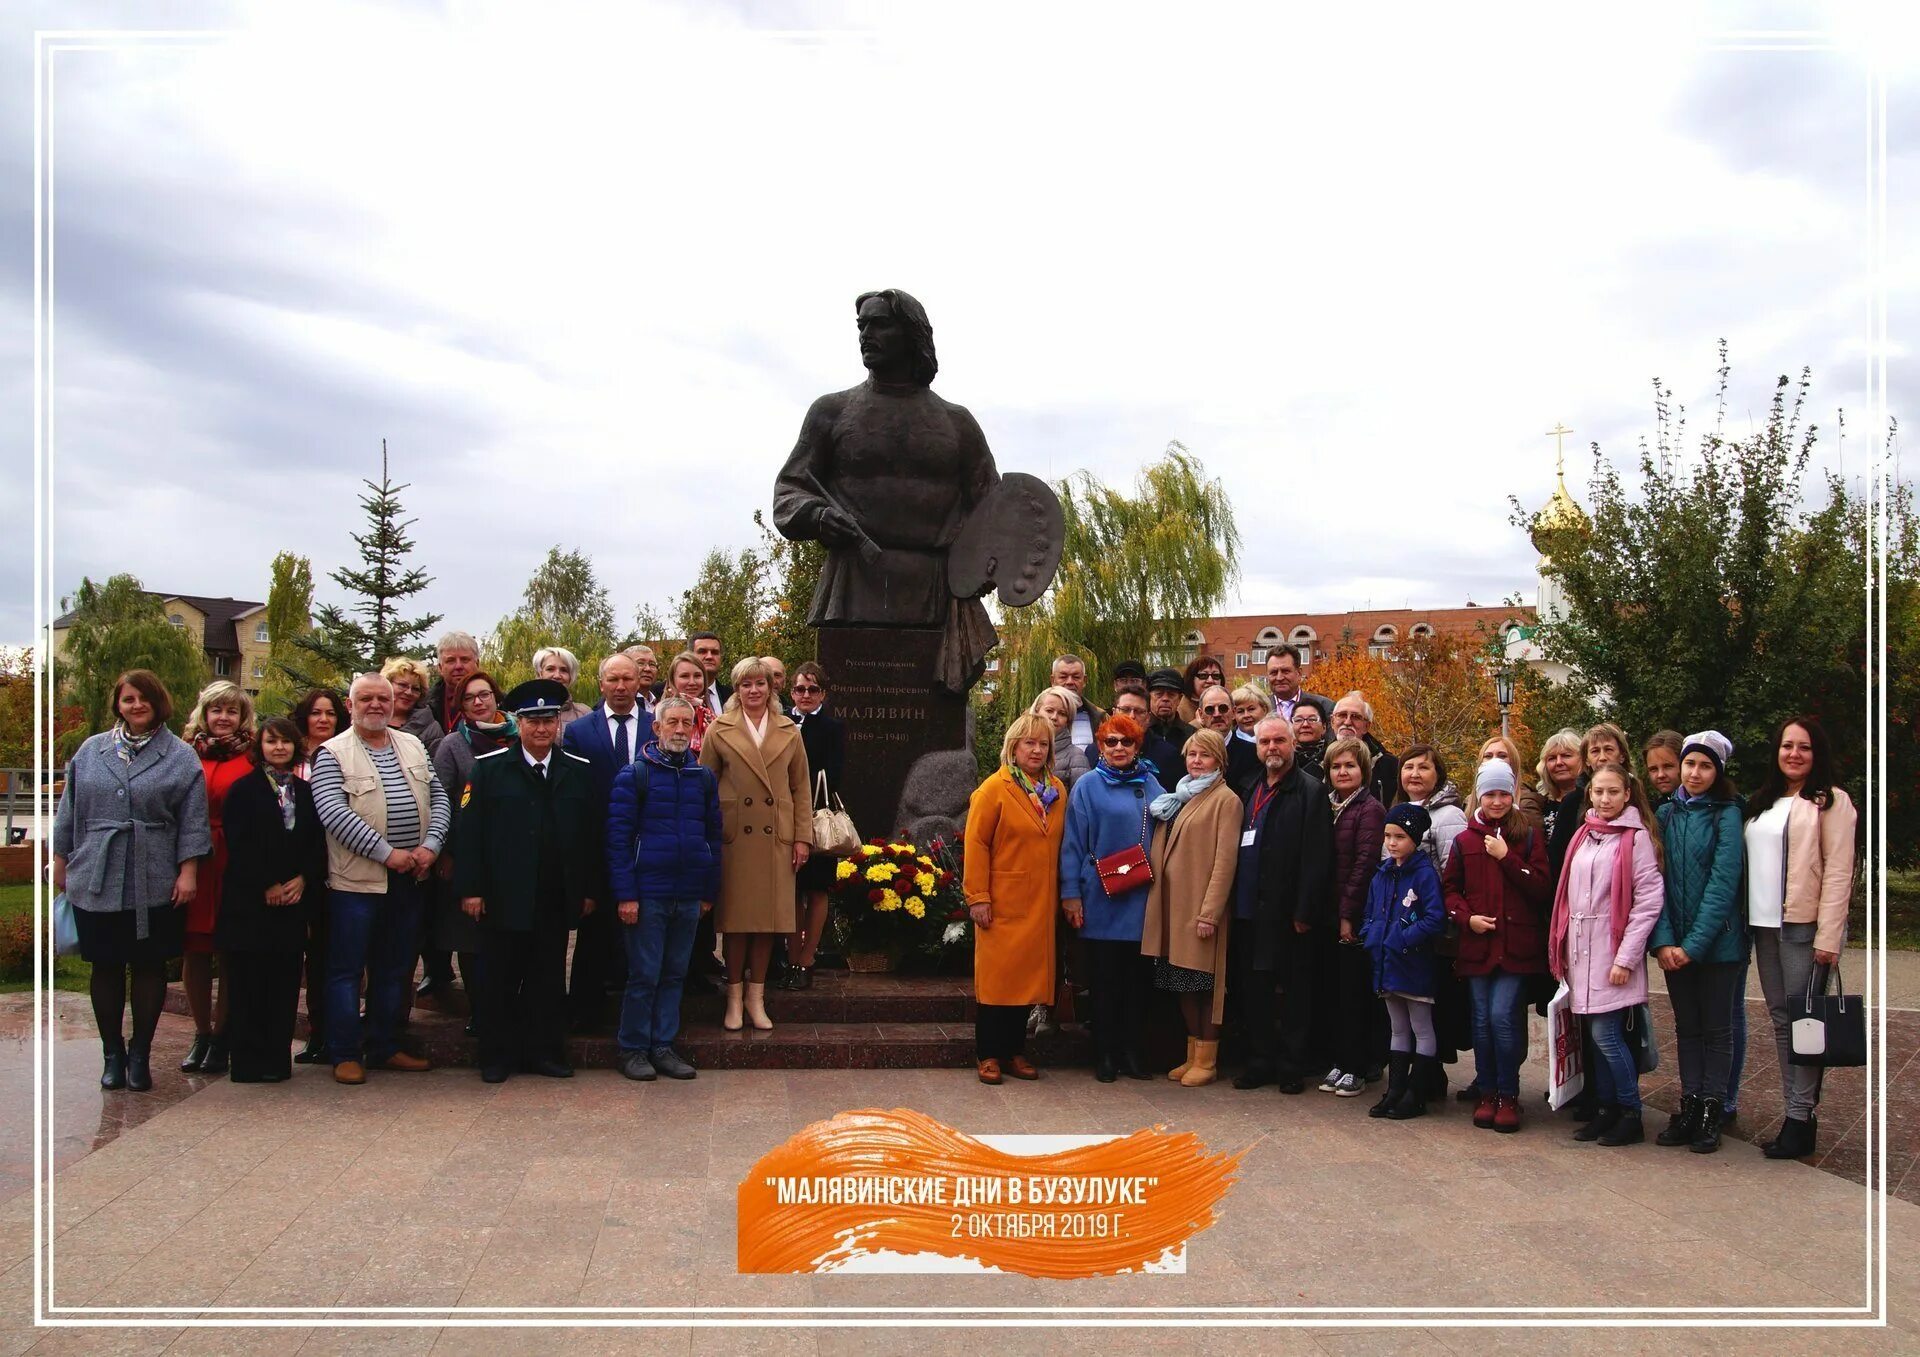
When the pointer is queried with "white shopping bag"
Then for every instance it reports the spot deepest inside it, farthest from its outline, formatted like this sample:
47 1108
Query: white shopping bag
1566 1065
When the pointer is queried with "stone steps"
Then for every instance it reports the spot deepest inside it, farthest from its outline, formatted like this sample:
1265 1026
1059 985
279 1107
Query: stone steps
845 1021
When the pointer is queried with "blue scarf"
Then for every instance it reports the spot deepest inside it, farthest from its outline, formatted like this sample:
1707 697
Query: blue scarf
1137 771
1166 806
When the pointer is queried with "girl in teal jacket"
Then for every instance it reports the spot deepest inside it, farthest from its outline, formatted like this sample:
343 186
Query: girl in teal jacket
1700 940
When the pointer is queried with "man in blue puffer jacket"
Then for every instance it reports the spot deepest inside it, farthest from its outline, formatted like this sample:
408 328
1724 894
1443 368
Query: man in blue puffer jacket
663 863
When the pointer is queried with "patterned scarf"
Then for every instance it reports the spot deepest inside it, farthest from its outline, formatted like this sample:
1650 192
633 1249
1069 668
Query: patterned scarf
1117 777
220 748
128 745
281 780
1043 796
1341 804
1167 805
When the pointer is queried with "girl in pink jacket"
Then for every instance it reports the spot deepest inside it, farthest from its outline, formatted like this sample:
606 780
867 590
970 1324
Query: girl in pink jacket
1608 900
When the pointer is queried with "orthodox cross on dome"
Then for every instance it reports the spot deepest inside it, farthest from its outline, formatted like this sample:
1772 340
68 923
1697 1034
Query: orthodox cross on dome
1558 433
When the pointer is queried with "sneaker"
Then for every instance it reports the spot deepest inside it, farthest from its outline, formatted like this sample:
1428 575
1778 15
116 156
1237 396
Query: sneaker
1332 1081
635 1065
1349 1086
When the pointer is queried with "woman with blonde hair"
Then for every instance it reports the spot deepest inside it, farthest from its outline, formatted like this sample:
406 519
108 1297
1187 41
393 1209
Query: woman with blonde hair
1060 706
411 712
1011 875
766 821
221 733
562 666
1196 844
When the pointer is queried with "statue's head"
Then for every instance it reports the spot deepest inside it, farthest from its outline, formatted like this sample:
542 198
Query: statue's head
895 336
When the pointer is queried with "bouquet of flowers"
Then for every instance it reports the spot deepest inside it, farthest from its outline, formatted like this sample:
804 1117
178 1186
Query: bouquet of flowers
899 898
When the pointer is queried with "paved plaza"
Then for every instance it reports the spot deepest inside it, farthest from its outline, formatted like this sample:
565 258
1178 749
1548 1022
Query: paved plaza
438 1191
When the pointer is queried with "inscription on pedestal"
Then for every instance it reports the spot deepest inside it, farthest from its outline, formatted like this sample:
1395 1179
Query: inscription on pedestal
883 688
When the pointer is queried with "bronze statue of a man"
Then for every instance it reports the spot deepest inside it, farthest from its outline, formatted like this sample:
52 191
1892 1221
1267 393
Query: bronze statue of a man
887 474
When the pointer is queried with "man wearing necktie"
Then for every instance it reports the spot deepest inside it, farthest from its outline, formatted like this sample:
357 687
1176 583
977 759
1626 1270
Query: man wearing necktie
609 738
530 870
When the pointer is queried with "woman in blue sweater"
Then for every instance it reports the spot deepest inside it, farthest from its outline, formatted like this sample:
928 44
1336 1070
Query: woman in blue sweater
1700 940
1107 813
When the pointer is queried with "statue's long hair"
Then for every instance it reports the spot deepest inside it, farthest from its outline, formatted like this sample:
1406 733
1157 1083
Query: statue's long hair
905 307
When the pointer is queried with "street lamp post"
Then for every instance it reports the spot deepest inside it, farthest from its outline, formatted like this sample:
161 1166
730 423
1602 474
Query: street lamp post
1503 691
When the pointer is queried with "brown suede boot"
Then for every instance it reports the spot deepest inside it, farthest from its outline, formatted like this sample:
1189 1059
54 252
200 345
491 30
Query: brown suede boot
1205 1067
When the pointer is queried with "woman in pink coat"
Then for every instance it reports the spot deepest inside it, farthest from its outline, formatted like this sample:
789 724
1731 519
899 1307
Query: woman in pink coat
1608 900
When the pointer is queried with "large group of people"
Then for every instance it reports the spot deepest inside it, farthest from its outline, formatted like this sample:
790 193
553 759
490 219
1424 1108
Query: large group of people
424 818
1331 906
1335 912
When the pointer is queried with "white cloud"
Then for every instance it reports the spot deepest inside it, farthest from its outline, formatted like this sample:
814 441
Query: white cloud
588 264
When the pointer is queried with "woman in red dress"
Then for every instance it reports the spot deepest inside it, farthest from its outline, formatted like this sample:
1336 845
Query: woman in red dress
221 733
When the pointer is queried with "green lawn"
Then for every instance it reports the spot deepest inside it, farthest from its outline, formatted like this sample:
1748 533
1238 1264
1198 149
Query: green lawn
1903 912
68 972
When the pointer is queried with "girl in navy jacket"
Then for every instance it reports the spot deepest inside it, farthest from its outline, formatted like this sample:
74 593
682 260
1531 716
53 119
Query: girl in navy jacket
1406 915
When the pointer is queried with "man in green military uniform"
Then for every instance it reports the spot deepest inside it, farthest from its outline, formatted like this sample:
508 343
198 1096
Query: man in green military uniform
529 869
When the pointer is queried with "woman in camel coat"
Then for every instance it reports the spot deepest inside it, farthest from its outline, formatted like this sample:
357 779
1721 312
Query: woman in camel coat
1011 874
766 829
1196 845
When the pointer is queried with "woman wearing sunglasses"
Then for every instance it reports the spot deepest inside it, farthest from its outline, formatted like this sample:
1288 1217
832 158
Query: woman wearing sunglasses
1107 824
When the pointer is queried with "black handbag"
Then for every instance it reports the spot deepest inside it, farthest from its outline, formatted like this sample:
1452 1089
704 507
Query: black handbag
1829 1030
1638 1032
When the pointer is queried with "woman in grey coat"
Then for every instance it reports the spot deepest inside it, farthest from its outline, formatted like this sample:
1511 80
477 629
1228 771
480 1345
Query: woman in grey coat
127 839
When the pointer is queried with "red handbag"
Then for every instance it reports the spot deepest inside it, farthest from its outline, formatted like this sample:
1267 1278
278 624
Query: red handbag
1127 869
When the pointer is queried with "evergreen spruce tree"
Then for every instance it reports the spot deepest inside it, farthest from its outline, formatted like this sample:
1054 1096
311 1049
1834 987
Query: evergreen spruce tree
360 638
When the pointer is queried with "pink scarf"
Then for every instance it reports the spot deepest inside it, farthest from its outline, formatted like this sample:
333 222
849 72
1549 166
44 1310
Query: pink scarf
1622 897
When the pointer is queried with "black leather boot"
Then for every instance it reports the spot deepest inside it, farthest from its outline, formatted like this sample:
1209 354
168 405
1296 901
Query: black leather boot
219 1055
139 1070
1399 1063
1604 1116
1795 1141
1627 1129
1413 1103
113 1074
1706 1136
1684 1124
197 1053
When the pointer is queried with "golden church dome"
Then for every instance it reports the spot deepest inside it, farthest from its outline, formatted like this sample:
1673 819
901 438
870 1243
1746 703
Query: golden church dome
1560 513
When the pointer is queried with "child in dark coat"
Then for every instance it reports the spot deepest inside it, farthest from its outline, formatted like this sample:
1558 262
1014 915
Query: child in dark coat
1406 915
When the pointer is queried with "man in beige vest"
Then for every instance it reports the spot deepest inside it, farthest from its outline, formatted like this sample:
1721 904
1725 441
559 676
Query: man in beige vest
386 817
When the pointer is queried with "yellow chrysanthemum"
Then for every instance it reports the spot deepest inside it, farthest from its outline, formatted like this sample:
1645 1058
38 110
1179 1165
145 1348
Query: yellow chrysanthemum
925 861
923 881
914 907
868 850
844 869
882 872
888 901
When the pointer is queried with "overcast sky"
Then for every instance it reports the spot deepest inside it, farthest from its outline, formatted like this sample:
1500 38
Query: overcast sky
585 267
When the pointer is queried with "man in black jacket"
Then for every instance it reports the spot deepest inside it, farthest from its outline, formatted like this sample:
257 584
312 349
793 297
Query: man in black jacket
1353 720
1165 688
1282 894
530 866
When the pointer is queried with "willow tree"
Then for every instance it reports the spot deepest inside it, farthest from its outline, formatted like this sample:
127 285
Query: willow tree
1138 571
118 626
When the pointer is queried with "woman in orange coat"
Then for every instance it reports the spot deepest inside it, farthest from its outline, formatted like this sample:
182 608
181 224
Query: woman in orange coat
1012 879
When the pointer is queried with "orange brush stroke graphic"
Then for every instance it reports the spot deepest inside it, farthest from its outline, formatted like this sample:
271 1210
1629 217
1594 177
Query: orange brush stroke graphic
901 1181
